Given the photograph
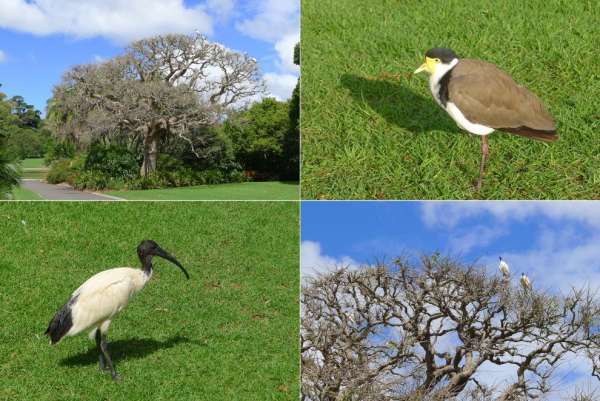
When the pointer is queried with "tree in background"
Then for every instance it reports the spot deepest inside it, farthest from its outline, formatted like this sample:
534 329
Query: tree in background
258 135
162 87
27 115
9 174
426 331
291 143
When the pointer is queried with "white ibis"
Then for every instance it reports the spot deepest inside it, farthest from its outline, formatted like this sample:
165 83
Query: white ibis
525 282
503 267
481 98
96 302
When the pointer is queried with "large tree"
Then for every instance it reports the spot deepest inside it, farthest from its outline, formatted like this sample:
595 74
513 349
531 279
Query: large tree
427 330
9 174
163 86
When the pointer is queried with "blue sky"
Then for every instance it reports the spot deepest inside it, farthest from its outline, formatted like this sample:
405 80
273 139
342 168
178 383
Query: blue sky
40 39
474 231
557 244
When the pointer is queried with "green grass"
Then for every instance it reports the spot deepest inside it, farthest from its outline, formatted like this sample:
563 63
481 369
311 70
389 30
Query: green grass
372 130
242 191
20 193
33 163
34 169
229 333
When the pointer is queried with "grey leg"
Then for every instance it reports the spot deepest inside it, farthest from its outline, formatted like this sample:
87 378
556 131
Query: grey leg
108 360
99 348
484 154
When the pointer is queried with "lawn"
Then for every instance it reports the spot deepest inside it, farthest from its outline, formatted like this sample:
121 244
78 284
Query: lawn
370 129
20 193
242 191
34 168
33 163
229 333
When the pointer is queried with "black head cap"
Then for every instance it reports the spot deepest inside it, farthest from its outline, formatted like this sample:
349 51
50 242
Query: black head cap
444 54
147 247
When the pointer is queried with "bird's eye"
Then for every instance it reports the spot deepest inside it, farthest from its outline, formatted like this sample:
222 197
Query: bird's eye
437 60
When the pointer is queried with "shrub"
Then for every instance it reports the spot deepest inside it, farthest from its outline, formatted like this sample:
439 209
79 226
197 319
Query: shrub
59 150
95 180
60 171
113 161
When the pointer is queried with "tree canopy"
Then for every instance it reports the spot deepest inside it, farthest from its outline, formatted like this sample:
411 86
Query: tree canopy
165 86
427 330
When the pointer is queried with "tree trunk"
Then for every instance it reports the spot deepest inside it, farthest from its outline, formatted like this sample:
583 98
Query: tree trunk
150 150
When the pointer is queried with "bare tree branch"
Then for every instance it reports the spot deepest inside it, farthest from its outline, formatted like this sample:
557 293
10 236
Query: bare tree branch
420 331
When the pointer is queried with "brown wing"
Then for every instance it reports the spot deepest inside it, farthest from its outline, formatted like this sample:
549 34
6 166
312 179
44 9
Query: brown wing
488 96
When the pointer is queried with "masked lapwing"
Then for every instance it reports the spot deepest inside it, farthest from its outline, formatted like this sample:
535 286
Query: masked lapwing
481 98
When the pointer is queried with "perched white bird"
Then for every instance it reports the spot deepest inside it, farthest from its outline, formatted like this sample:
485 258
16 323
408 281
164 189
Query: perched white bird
96 302
525 282
503 267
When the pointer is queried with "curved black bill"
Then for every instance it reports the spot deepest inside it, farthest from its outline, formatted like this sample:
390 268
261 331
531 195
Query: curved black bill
165 255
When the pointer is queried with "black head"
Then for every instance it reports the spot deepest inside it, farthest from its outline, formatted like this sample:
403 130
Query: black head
444 54
148 248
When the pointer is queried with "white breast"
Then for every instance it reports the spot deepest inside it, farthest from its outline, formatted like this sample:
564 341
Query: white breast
451 109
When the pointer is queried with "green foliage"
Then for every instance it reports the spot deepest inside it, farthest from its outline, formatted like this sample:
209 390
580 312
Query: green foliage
113 161
183 177
291 141
297 54
60 149
9 171
26 143
213 151
372 130
258 135
27 116
65 170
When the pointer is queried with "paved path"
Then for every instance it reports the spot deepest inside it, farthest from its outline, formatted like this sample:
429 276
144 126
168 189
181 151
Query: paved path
61 192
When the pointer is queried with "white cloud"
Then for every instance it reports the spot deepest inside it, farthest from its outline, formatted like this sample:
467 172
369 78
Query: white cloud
280 86
285 49
313 262
450 214
221 8
273 19
276 22
118 20
2 56
477 236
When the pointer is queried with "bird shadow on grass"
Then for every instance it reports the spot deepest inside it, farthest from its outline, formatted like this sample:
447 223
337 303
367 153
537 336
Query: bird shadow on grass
398 104
125 349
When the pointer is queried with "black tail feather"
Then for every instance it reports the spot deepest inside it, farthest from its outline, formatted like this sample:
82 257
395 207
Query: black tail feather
61 323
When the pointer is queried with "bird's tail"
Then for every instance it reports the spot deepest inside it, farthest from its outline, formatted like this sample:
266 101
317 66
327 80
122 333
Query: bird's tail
61 323
541 135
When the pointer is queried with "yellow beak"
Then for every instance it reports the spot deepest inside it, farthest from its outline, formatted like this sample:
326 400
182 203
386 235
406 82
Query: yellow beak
428 65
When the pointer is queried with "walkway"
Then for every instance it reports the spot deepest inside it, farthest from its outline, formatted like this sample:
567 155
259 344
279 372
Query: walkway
62 192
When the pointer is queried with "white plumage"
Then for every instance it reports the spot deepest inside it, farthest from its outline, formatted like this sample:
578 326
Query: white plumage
503 267
102 296
525 282
95 303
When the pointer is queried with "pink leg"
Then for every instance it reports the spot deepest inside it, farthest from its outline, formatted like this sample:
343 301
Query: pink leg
484 154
